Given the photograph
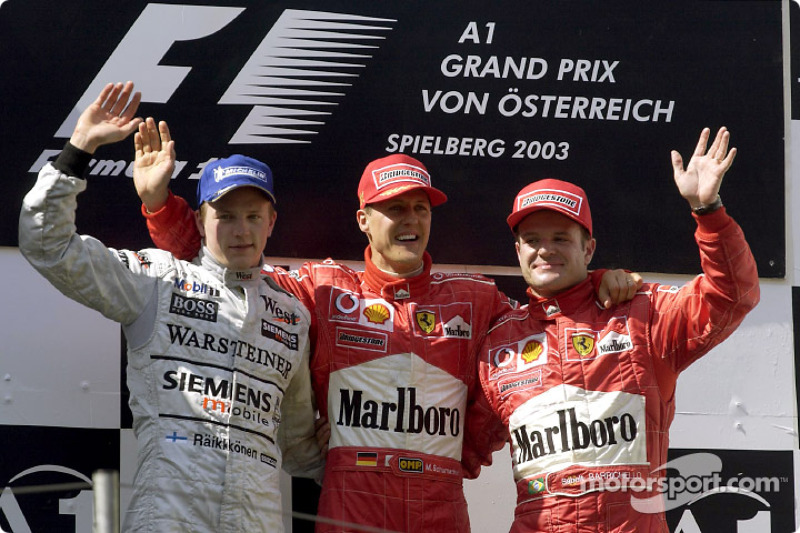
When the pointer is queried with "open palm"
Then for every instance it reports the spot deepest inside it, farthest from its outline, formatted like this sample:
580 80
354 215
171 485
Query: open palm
700 182
109 119
154 163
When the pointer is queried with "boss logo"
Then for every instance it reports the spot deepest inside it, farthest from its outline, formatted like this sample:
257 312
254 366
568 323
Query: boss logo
193 308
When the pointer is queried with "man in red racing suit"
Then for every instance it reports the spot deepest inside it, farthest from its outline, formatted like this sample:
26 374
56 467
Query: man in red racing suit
588 394
394 359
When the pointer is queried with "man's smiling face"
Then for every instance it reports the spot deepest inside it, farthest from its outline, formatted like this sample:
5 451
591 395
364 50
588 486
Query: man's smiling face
398 230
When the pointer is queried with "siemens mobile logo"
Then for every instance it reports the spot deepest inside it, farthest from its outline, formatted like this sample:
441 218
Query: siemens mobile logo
301 68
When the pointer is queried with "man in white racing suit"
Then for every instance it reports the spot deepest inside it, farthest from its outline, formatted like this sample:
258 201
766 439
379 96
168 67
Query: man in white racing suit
217 353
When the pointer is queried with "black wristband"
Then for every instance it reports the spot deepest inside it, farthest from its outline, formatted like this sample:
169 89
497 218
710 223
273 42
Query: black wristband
72 161
710 208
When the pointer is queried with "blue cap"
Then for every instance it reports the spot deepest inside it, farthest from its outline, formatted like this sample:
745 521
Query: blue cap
224 175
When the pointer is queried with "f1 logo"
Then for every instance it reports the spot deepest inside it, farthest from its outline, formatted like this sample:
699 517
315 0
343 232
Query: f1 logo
289 77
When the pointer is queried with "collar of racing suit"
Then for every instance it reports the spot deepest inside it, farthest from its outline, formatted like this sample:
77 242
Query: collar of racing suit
225 275
578 297
394 288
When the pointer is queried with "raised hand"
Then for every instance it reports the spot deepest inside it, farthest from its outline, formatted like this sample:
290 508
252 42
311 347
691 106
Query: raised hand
699 183
154 163
110 118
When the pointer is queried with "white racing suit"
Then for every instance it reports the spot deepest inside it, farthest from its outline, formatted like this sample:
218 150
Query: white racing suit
217 360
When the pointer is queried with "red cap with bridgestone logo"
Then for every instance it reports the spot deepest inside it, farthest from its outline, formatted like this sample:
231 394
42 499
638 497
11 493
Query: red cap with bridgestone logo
556 195
393 175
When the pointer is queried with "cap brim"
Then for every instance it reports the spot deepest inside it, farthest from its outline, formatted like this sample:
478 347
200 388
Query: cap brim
514 219
223 192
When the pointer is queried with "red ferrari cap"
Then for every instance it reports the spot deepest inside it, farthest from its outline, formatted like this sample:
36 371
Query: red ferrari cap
393 175
556 195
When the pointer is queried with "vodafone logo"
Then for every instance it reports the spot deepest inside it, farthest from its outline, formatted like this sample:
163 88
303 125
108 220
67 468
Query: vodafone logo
301 68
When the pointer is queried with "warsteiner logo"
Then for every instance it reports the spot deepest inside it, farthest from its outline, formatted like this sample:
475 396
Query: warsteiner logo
289 98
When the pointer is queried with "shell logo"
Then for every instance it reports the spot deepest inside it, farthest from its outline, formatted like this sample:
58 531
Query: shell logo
376 313
531 351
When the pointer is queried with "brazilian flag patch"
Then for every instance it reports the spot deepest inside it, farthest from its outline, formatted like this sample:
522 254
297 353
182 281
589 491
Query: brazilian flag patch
536 486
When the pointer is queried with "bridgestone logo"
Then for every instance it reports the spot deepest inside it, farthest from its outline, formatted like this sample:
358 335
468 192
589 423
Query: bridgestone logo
520 383
548 197
403 173
358 339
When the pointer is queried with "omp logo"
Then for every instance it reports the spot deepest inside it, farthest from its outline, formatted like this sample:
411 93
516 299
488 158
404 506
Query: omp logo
300 69
80 504
407 464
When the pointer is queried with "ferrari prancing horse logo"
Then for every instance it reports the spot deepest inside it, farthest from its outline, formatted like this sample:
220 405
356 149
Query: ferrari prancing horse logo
583 343
426 321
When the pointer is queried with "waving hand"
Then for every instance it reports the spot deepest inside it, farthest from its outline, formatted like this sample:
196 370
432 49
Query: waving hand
699 183
110 118
154 163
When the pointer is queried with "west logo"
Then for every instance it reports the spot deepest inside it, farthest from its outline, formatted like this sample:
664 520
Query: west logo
271 306
571 434
401 416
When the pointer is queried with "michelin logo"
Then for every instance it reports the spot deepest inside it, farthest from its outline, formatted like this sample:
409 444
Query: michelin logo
299 68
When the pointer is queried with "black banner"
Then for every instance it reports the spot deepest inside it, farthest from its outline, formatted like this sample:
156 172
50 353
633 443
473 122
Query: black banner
490 96
46 476
730 491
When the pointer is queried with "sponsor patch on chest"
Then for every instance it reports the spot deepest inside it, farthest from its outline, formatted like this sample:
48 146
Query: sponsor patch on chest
519 356
453 320
348 307
585 343
568 425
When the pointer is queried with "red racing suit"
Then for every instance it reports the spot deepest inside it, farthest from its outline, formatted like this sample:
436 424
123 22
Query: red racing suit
394 368
588 394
